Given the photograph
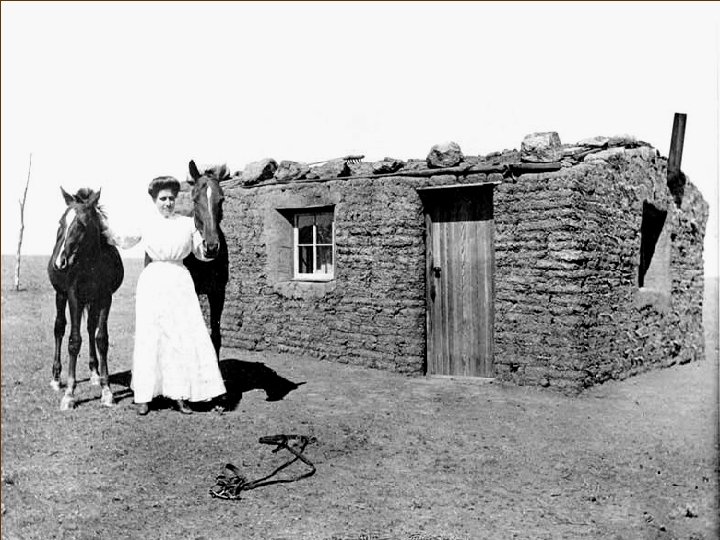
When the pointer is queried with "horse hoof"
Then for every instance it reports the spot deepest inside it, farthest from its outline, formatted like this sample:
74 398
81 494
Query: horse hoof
67 403
55 385
95 378
107 400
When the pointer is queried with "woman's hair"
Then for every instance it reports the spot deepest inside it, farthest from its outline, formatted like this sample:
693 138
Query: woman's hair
163 182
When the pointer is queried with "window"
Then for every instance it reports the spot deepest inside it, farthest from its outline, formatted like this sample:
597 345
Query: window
654 269
314 245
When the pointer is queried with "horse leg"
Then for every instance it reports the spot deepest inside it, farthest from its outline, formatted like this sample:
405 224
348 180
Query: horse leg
92 327
216 299
74 343
59 331
102 340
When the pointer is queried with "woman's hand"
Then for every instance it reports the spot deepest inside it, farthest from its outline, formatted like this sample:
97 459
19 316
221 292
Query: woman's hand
200 248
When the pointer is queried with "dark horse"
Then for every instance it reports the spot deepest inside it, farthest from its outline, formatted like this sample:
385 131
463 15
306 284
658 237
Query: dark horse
85 271
210 277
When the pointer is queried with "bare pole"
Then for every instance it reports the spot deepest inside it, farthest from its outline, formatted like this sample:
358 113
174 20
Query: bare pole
21 202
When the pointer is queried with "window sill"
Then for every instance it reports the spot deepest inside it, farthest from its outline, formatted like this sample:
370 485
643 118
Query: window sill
304 289
309 278
648 296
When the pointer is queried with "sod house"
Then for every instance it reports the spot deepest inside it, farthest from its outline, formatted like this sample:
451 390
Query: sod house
556 265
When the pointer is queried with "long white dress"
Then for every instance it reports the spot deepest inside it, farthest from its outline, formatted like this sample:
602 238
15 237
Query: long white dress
173 355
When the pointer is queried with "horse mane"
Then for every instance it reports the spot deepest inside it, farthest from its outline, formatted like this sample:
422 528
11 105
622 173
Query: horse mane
105 230
219 171
82 196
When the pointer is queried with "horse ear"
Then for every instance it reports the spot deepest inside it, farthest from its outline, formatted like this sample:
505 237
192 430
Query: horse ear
69 199
223 173
94 198
194 173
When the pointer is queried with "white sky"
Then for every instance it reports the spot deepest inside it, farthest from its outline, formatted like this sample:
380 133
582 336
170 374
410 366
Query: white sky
109 95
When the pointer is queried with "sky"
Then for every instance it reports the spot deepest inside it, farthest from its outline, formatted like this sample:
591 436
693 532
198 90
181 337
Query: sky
111 94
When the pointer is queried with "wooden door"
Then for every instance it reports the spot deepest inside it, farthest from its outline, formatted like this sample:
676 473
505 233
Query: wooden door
460 260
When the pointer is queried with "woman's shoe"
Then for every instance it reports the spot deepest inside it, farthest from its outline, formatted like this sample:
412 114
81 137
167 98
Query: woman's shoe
182 406
220 404
143 409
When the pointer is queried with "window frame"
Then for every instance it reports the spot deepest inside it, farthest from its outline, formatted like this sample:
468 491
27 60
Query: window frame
316 275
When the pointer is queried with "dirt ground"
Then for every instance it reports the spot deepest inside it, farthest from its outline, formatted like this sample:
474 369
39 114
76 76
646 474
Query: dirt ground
396 457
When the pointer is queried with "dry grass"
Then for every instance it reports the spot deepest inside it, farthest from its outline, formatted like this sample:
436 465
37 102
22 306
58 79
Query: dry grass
396 457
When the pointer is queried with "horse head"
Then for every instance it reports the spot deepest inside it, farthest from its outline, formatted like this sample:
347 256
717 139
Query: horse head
207 196
80 229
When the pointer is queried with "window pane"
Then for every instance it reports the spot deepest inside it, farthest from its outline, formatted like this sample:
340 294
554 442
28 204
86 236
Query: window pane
305 260
324 259
324 223
304 225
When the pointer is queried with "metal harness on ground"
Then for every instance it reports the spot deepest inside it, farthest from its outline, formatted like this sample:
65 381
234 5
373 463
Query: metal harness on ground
231 484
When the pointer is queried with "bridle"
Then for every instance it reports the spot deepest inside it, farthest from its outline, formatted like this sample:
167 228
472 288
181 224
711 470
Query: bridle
231 486
208 195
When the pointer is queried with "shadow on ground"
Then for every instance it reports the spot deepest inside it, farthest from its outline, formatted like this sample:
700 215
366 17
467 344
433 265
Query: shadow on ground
240 376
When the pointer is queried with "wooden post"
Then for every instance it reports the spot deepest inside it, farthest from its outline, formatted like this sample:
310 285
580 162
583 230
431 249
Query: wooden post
22 228
675 177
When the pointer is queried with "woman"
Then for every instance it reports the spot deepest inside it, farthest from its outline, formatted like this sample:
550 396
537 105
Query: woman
173 355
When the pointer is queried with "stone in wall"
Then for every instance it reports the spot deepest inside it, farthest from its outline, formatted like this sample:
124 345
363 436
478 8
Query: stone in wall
387 165
594 142
446 154
604 155
499 158
415 165
602 148
646 153
335 168
573 151
628 141
361 169
288 171
258 171
541 148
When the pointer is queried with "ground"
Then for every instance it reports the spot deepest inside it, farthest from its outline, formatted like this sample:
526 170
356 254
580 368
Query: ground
396 457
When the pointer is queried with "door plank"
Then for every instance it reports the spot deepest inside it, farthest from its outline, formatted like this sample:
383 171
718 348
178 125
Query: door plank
448 322
482 297
430 292
442 329
467 328
489 295
476 297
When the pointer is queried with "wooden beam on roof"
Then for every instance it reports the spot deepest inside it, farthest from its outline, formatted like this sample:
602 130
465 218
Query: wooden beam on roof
458 186
507 169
